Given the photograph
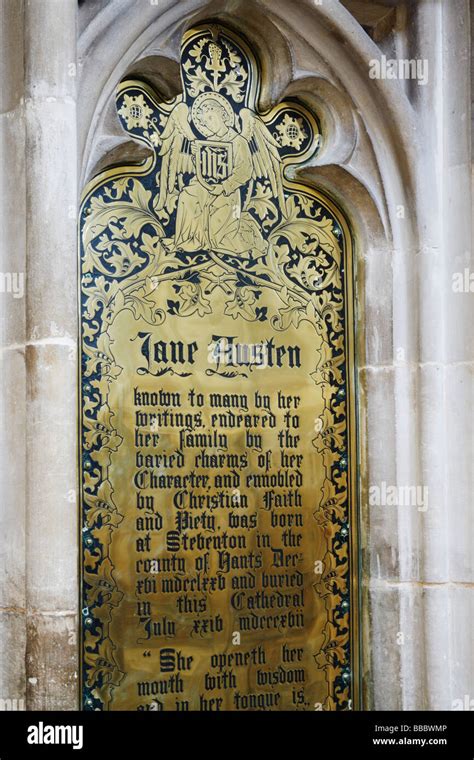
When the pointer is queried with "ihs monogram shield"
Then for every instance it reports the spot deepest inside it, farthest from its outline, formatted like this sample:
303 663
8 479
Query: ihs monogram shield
214 161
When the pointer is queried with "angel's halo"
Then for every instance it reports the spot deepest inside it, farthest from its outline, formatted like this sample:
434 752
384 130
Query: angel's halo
197 111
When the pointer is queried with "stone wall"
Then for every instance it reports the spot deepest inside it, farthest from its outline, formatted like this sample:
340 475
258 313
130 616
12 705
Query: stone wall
397 158
38 205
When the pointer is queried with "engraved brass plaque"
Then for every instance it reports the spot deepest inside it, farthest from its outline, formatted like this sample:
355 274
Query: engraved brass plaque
217 425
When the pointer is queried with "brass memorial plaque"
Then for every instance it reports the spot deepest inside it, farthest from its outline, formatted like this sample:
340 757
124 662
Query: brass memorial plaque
217 427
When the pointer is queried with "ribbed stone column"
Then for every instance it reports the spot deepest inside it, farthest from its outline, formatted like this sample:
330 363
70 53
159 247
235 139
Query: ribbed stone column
446 355
12 359
51 328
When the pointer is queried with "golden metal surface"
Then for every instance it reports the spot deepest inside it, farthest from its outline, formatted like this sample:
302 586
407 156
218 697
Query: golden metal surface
218 447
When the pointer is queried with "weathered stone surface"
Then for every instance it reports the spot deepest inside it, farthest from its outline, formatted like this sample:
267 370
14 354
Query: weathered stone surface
12 478
380 520
51 66
12 54
13 282
51 662
377 20
383 651
52 214
51 522
12 659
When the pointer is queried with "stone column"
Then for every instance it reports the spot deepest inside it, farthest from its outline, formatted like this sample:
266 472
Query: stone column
422 633
12 360
446 355
51 329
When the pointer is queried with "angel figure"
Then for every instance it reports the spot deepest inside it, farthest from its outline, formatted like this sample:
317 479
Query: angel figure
210 213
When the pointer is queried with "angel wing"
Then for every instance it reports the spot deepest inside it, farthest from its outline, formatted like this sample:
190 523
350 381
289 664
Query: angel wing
174 151
265 155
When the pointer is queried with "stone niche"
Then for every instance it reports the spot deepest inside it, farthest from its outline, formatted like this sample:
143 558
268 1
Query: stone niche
388 145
